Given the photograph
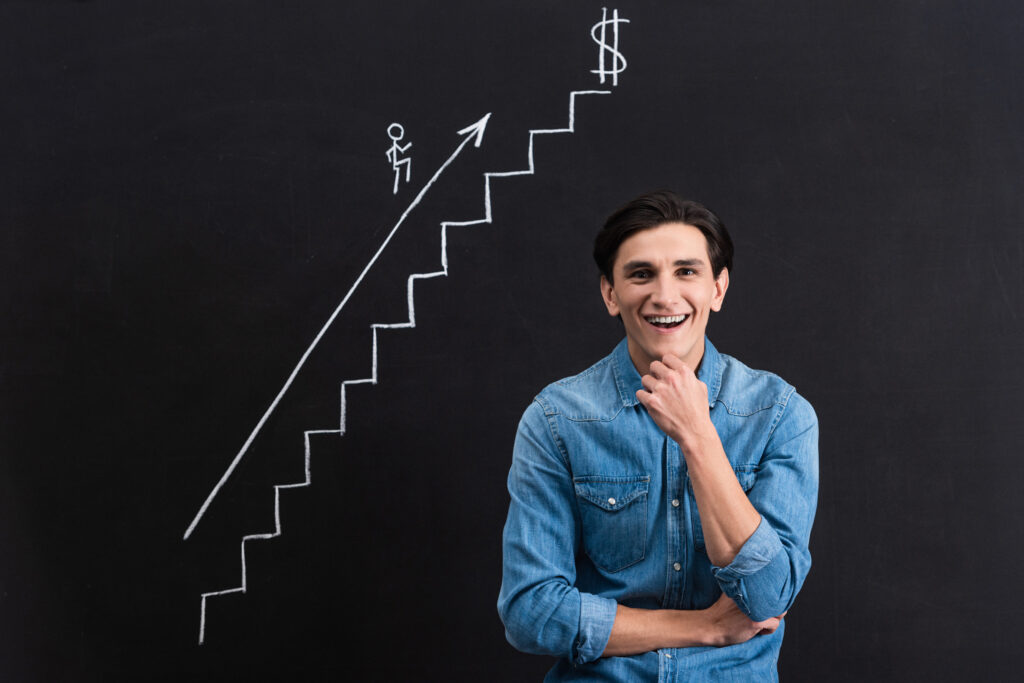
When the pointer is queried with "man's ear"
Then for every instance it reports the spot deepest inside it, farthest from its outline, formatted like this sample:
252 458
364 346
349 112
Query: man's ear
608 294
721 285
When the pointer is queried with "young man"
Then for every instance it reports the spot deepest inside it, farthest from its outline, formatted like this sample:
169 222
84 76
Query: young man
662 500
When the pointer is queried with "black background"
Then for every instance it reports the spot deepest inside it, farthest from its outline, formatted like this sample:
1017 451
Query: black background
188 189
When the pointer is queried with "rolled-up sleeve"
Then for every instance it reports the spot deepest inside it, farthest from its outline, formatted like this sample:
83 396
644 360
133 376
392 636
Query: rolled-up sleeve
768 571
542 610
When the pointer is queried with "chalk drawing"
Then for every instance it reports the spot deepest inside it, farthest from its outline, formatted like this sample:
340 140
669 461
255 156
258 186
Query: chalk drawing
476 132
396 133
473 132
618 59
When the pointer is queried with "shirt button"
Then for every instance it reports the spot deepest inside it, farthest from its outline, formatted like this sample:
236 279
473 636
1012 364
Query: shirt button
675 502
611 501
668 656
677 566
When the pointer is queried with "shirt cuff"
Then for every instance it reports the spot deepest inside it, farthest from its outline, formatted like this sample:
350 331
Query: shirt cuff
597 615
756 553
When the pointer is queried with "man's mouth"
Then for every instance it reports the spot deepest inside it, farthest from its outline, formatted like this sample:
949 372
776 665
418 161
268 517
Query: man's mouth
666 322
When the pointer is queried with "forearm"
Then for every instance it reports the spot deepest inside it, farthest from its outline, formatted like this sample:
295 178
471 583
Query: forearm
766 575
727 517
642 630
757 541
636 630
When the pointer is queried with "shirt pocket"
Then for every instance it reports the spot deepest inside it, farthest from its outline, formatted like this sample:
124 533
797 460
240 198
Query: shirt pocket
746 474
613 512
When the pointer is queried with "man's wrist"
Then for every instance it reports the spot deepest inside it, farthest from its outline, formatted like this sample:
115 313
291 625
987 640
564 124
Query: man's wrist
696 444
712 633
697 628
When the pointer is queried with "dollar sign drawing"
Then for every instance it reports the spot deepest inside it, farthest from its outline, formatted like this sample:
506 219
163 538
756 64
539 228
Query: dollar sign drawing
617 59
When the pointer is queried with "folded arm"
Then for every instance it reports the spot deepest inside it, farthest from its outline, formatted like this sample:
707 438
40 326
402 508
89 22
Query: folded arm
756 541
766 574
544 612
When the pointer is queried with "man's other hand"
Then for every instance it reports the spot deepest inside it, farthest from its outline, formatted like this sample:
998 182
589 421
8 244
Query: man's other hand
729 626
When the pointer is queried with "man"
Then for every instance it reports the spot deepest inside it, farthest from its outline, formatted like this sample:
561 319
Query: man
662 500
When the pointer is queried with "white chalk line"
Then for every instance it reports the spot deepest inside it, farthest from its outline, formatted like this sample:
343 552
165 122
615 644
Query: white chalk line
473 132
408 324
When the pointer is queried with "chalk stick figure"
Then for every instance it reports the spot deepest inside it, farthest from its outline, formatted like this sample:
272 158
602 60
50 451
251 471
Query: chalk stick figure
396 133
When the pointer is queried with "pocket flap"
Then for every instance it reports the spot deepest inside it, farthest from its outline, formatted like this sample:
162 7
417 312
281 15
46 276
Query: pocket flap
611 493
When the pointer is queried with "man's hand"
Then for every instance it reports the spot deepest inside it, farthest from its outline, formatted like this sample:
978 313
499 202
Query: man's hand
677 401
635 630
729 626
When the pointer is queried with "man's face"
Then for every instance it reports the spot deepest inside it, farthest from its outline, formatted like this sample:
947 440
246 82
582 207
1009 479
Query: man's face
665 292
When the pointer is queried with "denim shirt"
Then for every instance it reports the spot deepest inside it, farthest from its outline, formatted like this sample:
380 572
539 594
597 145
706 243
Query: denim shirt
602 512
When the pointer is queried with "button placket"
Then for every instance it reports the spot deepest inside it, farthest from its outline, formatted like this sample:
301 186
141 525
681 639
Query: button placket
675 470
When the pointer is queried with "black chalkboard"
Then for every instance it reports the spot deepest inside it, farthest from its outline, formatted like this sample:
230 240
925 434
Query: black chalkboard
189 190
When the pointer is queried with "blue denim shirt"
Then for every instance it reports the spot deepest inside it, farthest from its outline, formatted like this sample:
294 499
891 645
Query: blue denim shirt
602 512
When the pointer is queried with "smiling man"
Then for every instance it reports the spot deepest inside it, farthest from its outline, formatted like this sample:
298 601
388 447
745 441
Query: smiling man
661 500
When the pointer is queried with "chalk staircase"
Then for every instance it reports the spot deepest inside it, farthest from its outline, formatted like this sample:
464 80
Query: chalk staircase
375 329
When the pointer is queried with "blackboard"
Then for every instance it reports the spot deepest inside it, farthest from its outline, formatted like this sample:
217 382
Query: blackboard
189 190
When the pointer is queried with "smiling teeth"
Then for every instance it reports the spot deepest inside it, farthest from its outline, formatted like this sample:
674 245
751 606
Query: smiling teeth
668 319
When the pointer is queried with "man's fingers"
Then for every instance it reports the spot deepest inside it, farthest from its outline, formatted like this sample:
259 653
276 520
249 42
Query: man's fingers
768 626
675 363
649 382
658 369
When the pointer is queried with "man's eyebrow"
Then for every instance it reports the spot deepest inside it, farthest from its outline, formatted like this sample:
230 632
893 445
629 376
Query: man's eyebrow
679 263
634 265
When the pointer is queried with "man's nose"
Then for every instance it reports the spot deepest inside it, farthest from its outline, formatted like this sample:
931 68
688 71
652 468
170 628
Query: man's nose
665 292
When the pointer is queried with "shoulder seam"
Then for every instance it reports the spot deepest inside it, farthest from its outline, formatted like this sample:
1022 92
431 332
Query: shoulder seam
783 403
572 379
553 430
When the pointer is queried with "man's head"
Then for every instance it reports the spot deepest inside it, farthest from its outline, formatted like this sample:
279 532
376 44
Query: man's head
665 266
654 209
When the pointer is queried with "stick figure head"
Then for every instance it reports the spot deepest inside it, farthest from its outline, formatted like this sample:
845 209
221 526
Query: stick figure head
396 132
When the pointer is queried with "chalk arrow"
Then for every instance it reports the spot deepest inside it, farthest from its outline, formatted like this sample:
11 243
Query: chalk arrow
477 128
472 132
475 133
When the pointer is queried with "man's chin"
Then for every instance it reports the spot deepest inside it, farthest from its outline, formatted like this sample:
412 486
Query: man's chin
679 350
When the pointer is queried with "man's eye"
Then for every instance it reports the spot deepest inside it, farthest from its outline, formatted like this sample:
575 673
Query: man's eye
640 274
687 271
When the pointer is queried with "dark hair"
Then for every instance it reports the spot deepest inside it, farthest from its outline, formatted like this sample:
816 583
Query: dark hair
657 208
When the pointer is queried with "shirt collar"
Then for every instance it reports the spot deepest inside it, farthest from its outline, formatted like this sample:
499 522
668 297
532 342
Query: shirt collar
710 371
627 379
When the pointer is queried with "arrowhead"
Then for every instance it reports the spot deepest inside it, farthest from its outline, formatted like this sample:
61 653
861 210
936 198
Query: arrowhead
477 129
